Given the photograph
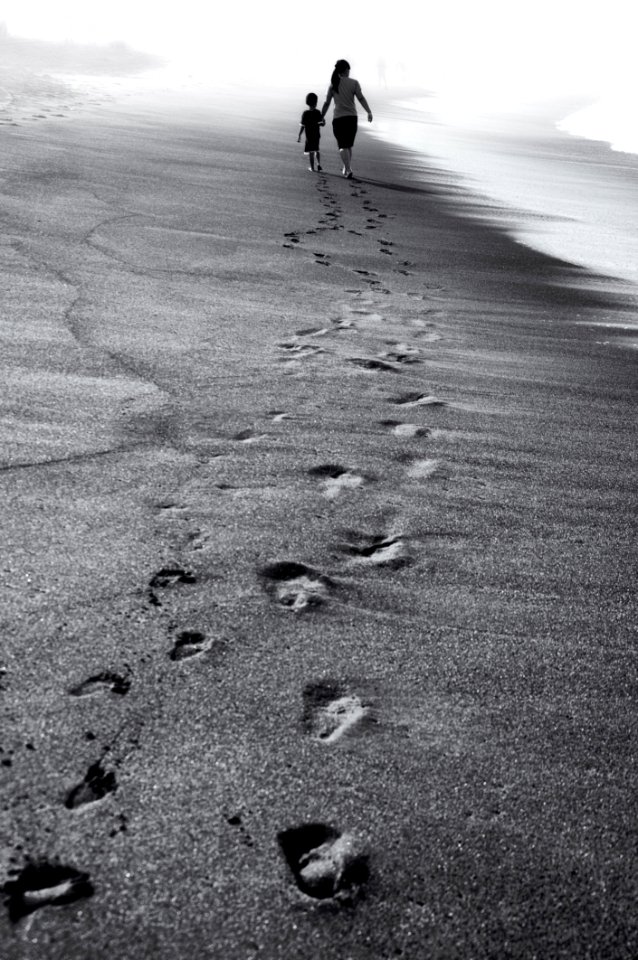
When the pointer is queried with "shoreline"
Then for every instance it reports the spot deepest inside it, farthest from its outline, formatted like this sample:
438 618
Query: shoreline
318 512
564 195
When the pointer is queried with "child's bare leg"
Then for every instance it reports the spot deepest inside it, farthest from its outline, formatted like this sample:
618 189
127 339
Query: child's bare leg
311 159
318 156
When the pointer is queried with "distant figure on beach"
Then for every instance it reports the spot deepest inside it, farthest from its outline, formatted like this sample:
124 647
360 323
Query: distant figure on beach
311 120
381 72
343 91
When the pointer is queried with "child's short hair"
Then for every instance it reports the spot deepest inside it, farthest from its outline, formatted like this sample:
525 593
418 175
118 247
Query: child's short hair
311 100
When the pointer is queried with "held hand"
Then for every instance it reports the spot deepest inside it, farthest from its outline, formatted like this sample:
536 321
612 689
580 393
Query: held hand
369 118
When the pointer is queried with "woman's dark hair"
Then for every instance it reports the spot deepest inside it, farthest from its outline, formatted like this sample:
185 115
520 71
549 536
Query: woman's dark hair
340 67
311 100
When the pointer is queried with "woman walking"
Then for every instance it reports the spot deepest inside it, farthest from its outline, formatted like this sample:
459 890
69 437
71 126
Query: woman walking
343 91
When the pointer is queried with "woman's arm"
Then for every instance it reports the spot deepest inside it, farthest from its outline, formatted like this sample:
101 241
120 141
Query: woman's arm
329 97
364 103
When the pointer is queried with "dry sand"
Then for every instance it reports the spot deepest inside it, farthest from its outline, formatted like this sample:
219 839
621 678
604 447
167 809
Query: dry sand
318 558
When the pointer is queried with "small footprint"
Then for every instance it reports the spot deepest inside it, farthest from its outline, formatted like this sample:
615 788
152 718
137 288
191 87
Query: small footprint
189 643
277 416
247 436
330 711
405 429
45 884
302 349
295 586
101 682
405 357
417 400
423 469
370 364
325 863
311 332
97 783
165 578
381 551
344 324
336 479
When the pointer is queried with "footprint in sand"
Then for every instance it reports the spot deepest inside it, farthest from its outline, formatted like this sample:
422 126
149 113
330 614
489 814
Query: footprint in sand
423 469
368 315
344 324
45 884
417 400
381 551
101 683
311 332
97 784
299 350
189 643
406 430
336 479
278 416
295 586
369 363
322 259
247 436
330 711
166 578
326 864
192 643
403 353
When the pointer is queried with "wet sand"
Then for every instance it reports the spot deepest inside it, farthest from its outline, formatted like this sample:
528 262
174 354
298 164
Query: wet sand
319 535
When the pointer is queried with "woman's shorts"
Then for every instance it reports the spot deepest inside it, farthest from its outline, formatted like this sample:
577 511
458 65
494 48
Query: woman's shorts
345 130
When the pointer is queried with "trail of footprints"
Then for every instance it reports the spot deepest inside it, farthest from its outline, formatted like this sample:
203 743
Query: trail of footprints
326 864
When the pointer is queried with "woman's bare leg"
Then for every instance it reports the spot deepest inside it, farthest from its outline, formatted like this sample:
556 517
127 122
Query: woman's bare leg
346 158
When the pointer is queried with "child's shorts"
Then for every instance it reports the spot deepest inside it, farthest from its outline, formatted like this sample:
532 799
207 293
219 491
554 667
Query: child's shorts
312 144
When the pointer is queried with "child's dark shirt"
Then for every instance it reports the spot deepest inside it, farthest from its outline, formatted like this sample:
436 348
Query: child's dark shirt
310 120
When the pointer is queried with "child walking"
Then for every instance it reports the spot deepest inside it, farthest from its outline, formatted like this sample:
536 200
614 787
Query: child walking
311 120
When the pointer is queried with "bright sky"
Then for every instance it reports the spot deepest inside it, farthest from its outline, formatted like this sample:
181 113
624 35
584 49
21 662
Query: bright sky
510 49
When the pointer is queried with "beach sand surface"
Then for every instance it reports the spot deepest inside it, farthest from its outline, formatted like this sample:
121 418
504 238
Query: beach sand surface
318 557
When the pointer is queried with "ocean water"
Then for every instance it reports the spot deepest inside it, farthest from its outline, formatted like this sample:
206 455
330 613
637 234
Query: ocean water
555 176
